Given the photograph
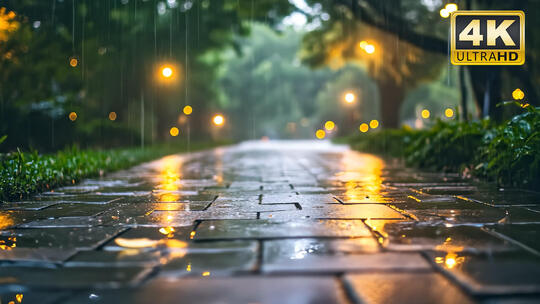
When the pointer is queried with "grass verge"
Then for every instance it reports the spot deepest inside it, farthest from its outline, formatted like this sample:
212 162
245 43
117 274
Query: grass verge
23 174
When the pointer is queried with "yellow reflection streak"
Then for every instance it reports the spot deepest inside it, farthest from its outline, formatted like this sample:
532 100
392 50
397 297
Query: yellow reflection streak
362 176
218 165
169 182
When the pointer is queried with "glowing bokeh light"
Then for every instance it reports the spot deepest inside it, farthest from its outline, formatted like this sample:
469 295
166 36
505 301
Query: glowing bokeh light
374 124
187 110
363 128
329 125
174 131
72 116
449 113
73 62
370 49
444 13
112 116
425 113
518 94
451 7
320 134
363 44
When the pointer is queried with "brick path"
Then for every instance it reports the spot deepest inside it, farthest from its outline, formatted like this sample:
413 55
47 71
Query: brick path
278 222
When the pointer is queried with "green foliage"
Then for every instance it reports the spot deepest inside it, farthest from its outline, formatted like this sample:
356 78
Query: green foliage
3 138
119 47
22 174
511 152
507 153
391 142
447 145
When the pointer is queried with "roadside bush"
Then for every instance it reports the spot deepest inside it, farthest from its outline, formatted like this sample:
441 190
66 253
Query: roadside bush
390 142
507 153
511 153
448 146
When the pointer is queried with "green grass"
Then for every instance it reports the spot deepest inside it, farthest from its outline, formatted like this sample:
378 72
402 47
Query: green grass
508 153
23 174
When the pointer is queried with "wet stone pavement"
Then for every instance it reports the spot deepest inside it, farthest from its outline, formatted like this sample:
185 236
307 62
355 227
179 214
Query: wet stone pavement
272 222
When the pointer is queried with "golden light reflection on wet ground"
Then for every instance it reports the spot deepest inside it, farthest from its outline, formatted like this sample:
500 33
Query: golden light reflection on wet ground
362 176
218 165
170 168
450 260
8 243
6 220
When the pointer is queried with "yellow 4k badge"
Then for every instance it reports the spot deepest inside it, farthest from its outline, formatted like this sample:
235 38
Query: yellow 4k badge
487 38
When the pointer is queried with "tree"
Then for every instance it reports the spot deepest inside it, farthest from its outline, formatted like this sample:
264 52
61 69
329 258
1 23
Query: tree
94 57
420 27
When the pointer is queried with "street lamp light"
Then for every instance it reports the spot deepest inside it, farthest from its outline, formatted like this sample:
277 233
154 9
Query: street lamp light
218 120
349 97
166 71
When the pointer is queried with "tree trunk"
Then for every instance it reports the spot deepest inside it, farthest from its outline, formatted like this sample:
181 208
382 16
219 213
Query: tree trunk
392 95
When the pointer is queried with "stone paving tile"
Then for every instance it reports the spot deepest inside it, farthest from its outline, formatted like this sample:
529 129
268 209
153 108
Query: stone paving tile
505 197
254 289
308 256
44 255
413 236
221 263
79 238
26 205
461 214
66 221
492 274
526 234
413 288
152 234
72 277
338 211
119 258
261 229
253 206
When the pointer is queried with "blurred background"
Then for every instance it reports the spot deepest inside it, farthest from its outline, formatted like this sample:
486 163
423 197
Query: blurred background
110 73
